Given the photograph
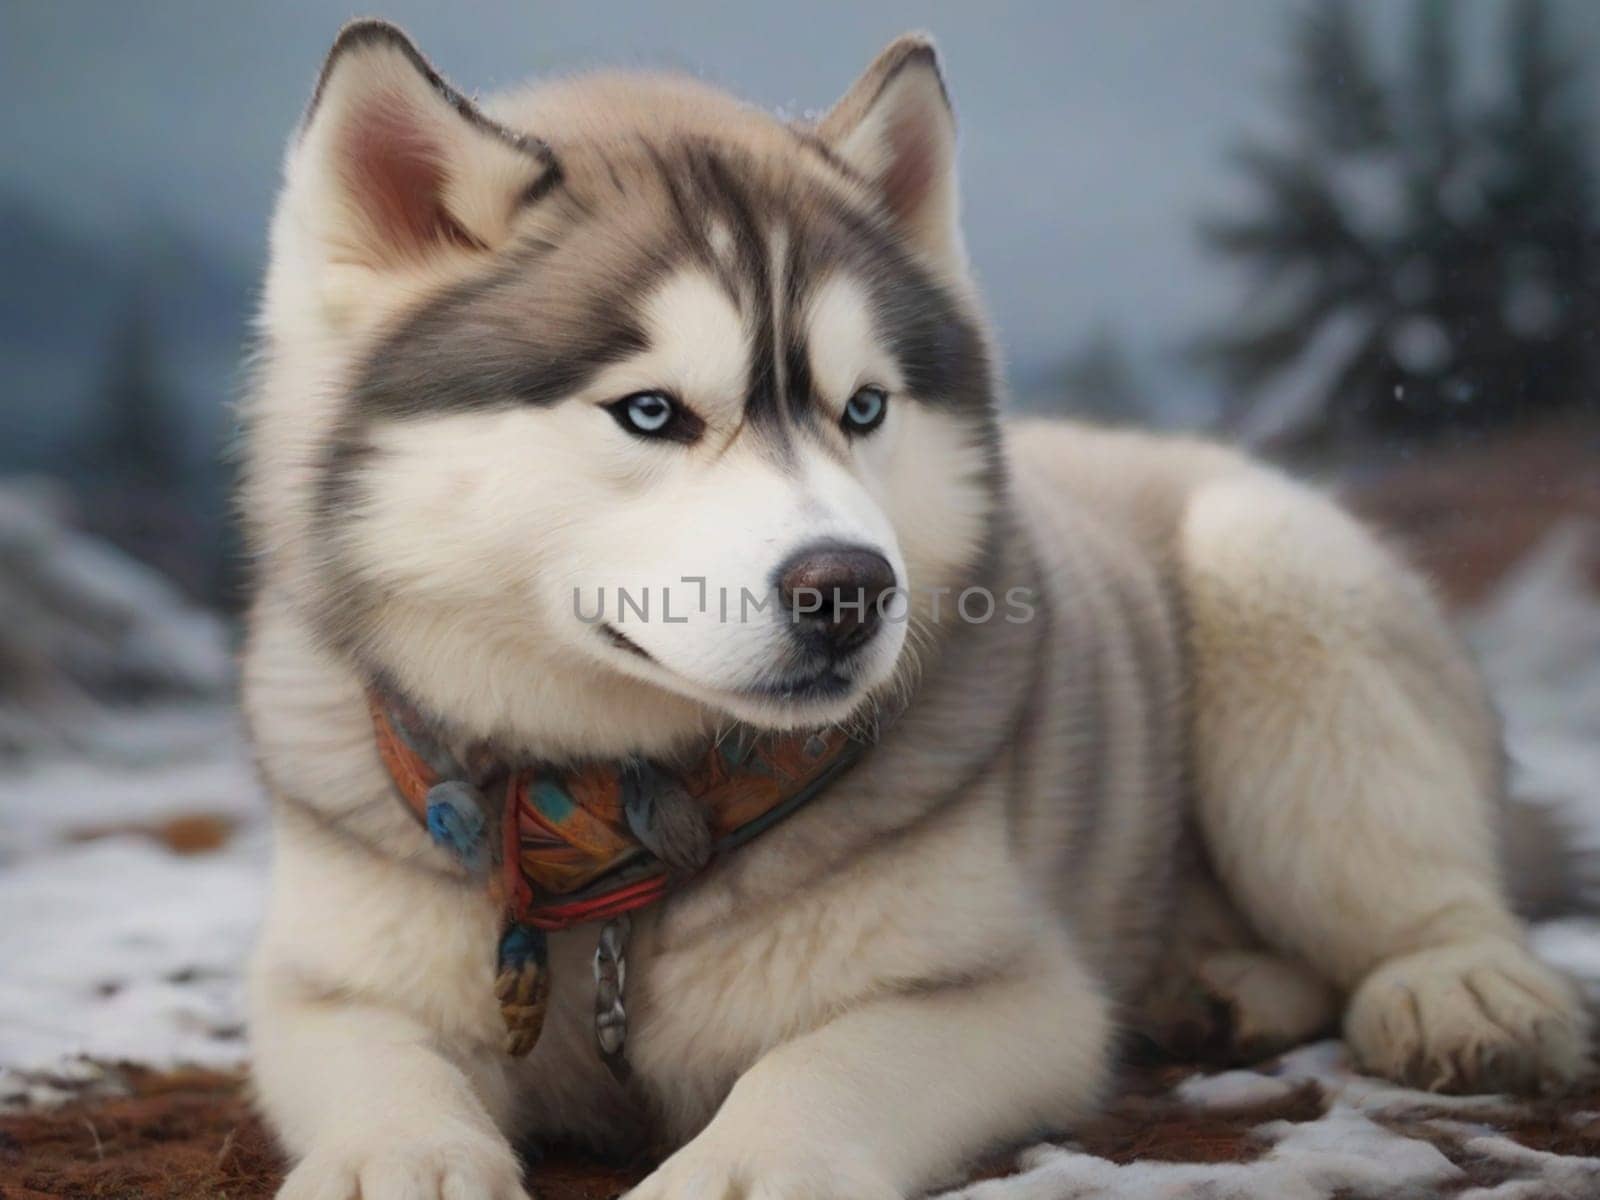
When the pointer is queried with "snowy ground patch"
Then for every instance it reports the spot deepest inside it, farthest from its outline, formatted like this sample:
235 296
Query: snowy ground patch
132 883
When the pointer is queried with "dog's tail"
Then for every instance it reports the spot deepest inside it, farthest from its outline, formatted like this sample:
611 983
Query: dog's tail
1550 869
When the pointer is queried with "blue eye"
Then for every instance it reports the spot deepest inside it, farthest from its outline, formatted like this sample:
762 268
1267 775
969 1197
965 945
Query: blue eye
656 415
648 412
866 409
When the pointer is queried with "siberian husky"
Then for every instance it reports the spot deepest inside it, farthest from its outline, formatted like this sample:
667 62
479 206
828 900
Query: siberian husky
1154 739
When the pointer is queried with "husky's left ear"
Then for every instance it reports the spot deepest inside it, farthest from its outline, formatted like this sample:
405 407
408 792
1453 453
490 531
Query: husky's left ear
394 168
896 129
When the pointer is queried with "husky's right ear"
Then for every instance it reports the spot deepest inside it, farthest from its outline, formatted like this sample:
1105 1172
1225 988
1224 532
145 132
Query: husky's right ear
393 167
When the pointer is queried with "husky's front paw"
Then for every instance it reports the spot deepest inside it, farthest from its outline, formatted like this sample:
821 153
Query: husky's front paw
716 1168
463 1164
1480 1017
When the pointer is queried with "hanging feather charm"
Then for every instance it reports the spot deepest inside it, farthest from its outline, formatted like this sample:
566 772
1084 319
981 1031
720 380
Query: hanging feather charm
522 985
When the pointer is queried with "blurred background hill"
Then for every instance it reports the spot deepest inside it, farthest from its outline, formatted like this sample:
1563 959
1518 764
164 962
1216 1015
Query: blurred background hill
120 358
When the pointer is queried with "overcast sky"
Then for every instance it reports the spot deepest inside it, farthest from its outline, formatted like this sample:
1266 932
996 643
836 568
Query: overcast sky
1092 130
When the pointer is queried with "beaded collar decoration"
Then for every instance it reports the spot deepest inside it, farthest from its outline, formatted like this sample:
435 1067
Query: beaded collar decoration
561 847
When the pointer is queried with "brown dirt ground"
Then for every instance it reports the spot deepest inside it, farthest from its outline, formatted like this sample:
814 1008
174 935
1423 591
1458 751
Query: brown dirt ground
190 1135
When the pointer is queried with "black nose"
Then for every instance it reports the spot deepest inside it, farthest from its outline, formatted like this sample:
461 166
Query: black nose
832 593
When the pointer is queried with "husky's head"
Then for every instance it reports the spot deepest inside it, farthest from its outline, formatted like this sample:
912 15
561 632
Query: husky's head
615 407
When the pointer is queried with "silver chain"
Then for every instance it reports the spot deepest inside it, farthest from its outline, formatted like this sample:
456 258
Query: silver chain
610 977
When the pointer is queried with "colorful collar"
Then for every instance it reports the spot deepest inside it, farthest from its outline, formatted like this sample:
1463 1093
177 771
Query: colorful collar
563 847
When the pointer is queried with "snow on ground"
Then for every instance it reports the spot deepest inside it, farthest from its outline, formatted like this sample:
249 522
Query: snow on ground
1374 1139
1341 1153
117 946
1538 638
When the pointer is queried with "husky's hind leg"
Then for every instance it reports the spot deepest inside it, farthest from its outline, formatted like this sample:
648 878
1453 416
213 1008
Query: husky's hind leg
1225 997
1349 784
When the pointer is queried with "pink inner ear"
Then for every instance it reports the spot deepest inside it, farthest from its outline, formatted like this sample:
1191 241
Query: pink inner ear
397 175
913 164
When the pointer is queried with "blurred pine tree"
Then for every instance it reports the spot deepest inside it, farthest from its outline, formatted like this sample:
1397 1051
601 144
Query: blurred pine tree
1098 381
139 438
1416 264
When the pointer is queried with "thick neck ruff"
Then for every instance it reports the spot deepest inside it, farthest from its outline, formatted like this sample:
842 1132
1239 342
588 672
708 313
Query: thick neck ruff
559 847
